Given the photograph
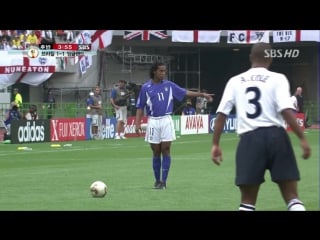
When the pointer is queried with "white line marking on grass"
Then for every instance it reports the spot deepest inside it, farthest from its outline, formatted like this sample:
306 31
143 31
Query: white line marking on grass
102 146
35 151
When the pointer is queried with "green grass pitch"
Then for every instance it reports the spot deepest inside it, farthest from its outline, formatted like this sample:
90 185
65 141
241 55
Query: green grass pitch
58 179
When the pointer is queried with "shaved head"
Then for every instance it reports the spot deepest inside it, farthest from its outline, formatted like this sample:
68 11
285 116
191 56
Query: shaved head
258 56
299 91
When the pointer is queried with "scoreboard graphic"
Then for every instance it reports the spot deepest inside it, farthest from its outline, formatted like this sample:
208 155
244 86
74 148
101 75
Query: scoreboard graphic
56 50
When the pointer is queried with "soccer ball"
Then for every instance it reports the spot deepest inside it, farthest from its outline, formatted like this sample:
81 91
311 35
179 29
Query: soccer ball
98 189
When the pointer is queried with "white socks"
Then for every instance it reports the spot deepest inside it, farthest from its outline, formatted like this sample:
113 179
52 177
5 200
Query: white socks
296 205
247 207
293 205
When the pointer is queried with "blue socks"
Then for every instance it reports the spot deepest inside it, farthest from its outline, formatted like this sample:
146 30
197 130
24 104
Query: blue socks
166 161
156 164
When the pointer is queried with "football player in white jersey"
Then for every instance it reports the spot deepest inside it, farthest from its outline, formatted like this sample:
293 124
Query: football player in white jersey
262 102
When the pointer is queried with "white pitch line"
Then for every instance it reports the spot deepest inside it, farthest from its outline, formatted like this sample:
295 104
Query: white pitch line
110 146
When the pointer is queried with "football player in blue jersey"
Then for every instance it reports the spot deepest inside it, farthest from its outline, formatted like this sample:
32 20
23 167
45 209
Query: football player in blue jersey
156 99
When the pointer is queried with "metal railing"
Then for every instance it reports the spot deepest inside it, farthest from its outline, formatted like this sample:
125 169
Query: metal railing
74 109
311 108
44 110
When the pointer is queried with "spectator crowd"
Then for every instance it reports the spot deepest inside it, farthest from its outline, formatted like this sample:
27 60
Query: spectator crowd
22 39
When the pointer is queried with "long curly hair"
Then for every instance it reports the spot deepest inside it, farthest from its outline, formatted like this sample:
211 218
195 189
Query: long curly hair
154 68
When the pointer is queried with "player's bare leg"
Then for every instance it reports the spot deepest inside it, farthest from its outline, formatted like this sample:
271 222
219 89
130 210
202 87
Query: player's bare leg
289 193
249 194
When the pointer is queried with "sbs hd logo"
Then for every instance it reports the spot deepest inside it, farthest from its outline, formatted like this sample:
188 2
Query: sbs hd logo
282 53
31 133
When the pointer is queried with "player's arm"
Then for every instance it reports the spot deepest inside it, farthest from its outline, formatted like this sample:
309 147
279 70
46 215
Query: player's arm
290 118
139 114
208 96
216 153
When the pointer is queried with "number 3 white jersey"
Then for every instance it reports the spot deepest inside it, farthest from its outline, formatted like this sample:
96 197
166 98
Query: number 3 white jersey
259 96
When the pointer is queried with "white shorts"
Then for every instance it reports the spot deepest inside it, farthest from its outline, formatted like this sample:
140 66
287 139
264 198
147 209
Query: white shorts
96 120
160 129
121 114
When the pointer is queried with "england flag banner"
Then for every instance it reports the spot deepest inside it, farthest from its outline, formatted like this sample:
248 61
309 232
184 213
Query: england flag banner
84 37
101 39
248 37
284 36
198 36
18 68
296 36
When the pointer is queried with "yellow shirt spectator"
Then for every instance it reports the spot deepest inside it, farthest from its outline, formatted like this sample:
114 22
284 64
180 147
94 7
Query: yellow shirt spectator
17 97
23 37
32 39
16 43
